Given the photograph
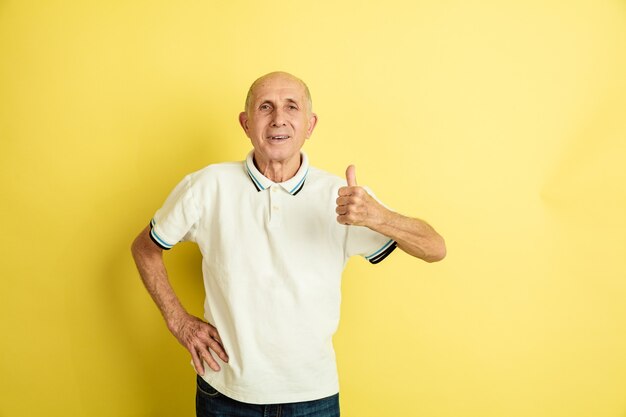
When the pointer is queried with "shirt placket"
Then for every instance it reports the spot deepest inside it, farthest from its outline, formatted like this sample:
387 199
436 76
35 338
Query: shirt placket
276 206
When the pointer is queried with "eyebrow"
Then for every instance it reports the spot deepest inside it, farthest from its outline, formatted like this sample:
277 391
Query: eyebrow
288 100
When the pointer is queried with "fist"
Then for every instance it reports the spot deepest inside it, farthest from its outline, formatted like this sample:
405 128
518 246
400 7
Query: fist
355 206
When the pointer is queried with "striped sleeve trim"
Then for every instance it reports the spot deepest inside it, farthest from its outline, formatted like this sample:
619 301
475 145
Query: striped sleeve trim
157 239
383 252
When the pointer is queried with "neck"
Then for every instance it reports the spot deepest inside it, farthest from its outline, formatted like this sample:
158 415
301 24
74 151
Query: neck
278 171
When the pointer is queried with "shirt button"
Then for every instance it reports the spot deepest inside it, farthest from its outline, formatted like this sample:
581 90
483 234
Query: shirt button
274 189
275 208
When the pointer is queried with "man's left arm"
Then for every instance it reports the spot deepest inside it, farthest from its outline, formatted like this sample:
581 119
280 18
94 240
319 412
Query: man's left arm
356 207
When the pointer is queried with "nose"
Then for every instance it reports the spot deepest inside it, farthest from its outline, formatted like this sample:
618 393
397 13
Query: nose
278 118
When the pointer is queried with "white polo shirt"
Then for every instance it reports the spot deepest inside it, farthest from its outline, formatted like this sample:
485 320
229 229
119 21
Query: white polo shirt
273 254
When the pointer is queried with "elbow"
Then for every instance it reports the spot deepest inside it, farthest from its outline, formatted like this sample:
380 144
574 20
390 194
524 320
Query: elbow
143 246
432 251
138 246
134 248
438 252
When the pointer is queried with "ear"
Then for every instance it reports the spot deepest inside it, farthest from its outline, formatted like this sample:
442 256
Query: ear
312 123
243 121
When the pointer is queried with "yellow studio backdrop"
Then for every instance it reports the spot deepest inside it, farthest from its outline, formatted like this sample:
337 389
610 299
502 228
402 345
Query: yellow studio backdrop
502 123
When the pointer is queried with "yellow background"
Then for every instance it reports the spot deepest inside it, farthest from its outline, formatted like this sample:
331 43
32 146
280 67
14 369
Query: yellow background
502 123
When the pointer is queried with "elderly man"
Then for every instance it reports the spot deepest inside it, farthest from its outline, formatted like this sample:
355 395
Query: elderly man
275 234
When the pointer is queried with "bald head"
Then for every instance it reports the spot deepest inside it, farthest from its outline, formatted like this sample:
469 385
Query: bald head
277 75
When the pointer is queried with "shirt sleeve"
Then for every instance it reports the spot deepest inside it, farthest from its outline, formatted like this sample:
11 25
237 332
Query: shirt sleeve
175 221
368 243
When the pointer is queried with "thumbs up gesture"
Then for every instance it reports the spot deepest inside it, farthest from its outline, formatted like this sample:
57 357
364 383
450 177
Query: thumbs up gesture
351 176
355 206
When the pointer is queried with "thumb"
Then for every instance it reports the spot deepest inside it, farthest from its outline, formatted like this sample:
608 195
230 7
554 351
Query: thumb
351 176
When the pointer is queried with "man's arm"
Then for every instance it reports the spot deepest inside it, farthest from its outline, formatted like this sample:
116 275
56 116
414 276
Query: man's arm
194 334
416 237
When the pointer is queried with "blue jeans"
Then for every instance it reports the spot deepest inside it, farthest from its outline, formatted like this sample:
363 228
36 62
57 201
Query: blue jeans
210 403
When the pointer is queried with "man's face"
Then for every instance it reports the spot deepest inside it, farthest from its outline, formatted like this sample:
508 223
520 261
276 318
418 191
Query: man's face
278 120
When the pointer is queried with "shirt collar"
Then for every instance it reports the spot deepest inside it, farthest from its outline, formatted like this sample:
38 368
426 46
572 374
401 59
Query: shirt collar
292 185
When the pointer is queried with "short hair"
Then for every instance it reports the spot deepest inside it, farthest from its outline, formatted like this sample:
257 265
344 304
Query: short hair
256 82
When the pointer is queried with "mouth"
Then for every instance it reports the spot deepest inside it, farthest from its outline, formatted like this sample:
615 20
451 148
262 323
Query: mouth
278 138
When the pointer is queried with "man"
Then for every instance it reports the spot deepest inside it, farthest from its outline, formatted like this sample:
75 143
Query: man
275 234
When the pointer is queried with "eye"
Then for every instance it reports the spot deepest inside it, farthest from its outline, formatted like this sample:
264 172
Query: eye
264 107
292 107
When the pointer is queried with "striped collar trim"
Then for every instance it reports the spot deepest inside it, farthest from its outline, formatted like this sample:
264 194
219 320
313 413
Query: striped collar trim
292 185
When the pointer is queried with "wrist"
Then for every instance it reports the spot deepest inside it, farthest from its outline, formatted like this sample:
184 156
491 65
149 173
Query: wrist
175 319
380 219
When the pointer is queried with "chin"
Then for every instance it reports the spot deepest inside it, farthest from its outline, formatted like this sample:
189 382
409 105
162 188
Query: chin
281 149
279 156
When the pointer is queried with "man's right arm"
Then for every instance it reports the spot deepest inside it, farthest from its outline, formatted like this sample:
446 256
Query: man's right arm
194 334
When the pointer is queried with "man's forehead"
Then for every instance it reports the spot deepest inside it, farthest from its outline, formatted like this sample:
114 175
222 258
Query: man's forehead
275 86
281 87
